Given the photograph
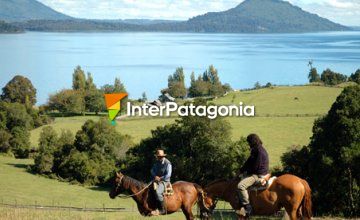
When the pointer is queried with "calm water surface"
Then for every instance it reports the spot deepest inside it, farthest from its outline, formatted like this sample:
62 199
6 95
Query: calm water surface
143 61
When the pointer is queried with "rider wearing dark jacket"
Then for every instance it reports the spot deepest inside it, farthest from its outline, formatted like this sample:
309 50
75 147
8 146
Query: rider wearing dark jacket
255 167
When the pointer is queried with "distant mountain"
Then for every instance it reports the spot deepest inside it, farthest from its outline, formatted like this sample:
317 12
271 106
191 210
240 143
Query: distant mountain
257 16
251 16
22 10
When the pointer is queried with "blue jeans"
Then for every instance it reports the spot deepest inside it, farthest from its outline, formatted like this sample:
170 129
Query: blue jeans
160 190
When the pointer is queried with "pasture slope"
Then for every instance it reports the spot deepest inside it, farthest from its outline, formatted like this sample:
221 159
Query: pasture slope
285 116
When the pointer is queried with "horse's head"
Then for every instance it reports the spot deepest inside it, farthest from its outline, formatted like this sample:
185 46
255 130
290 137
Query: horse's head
207 206
117 185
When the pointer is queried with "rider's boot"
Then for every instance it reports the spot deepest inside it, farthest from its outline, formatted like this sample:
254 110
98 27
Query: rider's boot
248 210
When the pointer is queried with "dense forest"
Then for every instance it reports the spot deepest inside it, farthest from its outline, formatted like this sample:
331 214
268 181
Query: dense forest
8 28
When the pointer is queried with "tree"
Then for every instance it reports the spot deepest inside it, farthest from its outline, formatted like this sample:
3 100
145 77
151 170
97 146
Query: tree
20 142
216 88
67 101
79 79
16 116
89 84
144 97
94 101
313 75
332 78
200 150
331 161
4 141
19 89
257 85
176 84
355 77
48 143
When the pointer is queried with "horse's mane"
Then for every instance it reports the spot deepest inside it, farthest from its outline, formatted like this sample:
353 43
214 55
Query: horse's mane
131 181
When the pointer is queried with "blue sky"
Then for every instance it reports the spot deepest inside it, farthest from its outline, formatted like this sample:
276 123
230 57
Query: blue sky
342 11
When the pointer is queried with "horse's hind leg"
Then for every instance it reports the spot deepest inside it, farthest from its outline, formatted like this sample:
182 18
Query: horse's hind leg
187 212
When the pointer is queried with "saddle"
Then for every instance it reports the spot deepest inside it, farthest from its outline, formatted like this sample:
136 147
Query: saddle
169 191
263 183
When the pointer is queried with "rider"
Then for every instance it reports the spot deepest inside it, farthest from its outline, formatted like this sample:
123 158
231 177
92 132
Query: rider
161 173
254 169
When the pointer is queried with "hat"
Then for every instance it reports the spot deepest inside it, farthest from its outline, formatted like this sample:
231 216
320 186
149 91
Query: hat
160 153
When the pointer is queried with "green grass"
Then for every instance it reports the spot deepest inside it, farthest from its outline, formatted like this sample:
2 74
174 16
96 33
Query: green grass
17 186
282 100
276 123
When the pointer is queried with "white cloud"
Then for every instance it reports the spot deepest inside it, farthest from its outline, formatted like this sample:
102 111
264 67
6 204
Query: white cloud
342 11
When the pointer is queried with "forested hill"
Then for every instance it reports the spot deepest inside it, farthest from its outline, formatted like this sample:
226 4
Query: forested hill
8 28
22 10
262 16
251 16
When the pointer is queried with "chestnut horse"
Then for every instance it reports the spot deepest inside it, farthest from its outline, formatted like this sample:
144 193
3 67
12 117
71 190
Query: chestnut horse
288 191
185 195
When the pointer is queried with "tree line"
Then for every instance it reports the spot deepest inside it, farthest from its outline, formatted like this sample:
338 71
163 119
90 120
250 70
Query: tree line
206 84
84 95
331 78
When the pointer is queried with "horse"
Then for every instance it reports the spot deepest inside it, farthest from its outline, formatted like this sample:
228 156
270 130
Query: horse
185 195
288 191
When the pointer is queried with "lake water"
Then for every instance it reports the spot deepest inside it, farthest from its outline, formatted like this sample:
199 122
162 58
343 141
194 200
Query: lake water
143 61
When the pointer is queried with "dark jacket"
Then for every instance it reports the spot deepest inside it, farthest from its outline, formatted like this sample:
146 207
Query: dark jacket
162 169
257 163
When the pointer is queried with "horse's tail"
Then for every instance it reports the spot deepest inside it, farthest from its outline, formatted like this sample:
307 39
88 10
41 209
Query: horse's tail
201 196
306 204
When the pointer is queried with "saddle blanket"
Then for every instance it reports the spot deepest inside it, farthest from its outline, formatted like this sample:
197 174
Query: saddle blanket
258 186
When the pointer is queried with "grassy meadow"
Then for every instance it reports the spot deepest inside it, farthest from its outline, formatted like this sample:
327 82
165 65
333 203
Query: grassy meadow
285 117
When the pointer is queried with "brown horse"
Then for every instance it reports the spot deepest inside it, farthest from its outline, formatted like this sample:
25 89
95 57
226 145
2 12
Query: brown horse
185 195
288 191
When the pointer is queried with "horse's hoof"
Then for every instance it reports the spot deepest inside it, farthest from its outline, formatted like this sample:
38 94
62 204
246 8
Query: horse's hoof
155 213
241 212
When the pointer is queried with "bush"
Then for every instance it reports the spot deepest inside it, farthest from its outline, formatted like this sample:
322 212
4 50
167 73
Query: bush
19 142
48 143
67 101
89 159
355 77
331 162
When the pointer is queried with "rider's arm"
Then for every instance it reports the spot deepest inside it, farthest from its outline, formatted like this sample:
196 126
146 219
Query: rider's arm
153 172
249 162
168 172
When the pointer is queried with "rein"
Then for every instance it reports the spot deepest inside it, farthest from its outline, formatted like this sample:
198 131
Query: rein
135 194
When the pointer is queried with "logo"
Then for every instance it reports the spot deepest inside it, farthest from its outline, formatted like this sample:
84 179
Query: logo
113 104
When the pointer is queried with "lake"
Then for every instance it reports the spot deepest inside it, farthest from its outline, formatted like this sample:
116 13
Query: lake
143 61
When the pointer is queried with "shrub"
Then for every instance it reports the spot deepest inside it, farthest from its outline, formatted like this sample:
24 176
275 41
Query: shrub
331 162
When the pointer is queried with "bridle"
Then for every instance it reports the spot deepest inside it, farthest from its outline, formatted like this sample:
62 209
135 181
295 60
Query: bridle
118 185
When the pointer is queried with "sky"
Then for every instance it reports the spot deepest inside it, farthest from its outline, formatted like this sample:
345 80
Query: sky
345 12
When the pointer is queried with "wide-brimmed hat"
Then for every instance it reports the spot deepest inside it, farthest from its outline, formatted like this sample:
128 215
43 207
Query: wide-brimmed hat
160 153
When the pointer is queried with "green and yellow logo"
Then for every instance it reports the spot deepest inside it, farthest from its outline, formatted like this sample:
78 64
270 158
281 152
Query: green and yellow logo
113 104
